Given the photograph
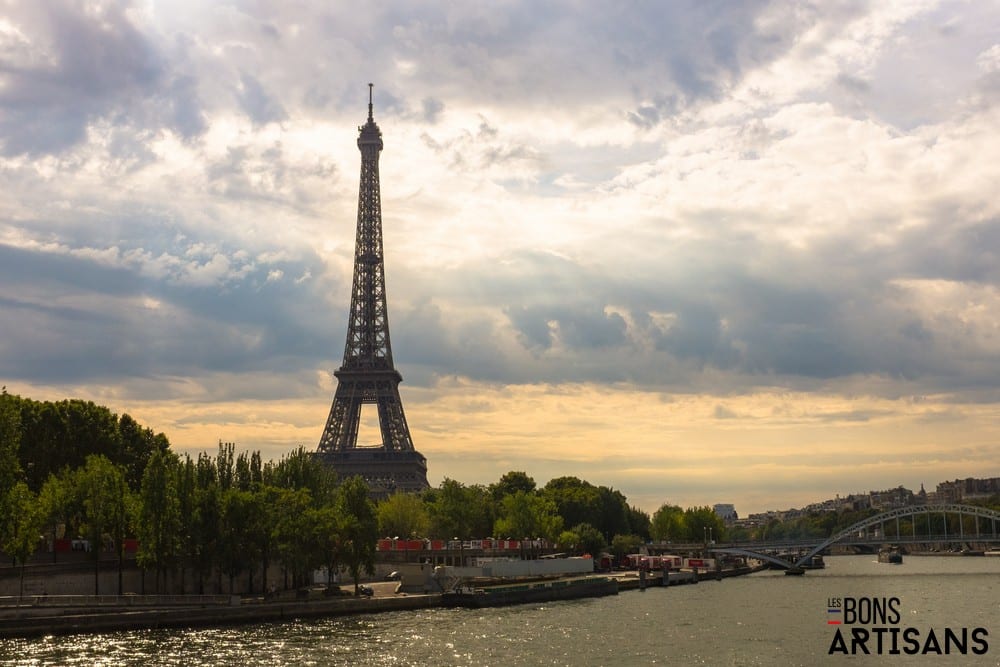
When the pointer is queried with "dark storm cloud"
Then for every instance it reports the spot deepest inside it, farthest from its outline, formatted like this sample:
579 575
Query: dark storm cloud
133 325
829 312
580 327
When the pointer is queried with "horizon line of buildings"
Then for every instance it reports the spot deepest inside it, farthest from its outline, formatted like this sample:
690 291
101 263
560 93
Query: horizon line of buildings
956 491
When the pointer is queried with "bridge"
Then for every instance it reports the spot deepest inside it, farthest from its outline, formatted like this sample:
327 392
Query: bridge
984 530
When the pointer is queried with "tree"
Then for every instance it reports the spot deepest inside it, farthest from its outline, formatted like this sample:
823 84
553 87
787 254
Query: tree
10 441
528 515
403 515
22 524
159 514
639 522
589 539
459 511
186 493
205 527
668 524
703 523
137 446
577 501
301 469
224 465
326 535
56 504
621 545
293 535
359 528
614 513
245 533
104 497
510 483
60 435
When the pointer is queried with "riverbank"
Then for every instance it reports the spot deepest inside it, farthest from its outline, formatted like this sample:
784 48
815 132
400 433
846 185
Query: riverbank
35 616
39 617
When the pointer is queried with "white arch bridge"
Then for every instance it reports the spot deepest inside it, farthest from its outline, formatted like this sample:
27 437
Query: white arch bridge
858 533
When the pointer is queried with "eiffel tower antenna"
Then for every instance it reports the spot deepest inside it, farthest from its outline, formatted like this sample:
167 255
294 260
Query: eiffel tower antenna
367 374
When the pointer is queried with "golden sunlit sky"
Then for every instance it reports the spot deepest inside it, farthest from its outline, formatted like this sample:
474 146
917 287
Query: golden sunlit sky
698 252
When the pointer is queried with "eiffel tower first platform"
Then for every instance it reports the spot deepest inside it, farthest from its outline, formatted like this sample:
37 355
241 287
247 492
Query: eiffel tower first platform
367 374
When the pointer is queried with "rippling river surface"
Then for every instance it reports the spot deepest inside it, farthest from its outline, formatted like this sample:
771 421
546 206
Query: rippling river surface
761 619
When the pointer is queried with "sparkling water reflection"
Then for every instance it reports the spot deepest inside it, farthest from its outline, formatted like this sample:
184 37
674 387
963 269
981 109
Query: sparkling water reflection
763 619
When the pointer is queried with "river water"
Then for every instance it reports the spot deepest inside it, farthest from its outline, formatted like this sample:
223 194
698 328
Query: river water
761 619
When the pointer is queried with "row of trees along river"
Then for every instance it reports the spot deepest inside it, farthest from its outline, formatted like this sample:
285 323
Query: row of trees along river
77 469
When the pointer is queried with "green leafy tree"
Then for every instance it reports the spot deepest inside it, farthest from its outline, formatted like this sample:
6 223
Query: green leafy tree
403 515
22 524
577 501
260 538
293 534
10 441
187 484
60 435
206 526
613 516
459 511
301 469
510 483
245 533
359 528
703 523
327 538
104 497
639 522
225 465
622 545
249 471
667 524
159 520
590 540
56 503
137 446
528 515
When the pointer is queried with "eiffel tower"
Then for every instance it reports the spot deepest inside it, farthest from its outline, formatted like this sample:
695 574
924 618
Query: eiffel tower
367 374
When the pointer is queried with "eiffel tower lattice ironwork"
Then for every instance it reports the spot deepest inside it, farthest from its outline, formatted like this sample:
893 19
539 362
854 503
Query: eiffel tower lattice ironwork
367 374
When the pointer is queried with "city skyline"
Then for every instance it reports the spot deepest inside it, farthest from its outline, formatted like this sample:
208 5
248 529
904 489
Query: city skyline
698 254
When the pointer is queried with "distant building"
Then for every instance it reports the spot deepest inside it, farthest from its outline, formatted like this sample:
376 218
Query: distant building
726 512
891 498
967 489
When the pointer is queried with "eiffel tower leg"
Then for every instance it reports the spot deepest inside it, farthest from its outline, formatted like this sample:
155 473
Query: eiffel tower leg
341 430
395 432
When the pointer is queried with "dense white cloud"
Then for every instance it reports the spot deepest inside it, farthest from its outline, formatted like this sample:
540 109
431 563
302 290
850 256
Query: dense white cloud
693 198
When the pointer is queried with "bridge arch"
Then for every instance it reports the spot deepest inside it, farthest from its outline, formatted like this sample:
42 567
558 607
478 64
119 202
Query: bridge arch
753 554
898 513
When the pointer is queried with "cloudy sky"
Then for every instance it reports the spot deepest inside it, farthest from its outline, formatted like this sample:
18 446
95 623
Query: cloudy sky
697 251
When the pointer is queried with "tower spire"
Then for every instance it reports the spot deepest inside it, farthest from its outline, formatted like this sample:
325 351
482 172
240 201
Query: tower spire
367 374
